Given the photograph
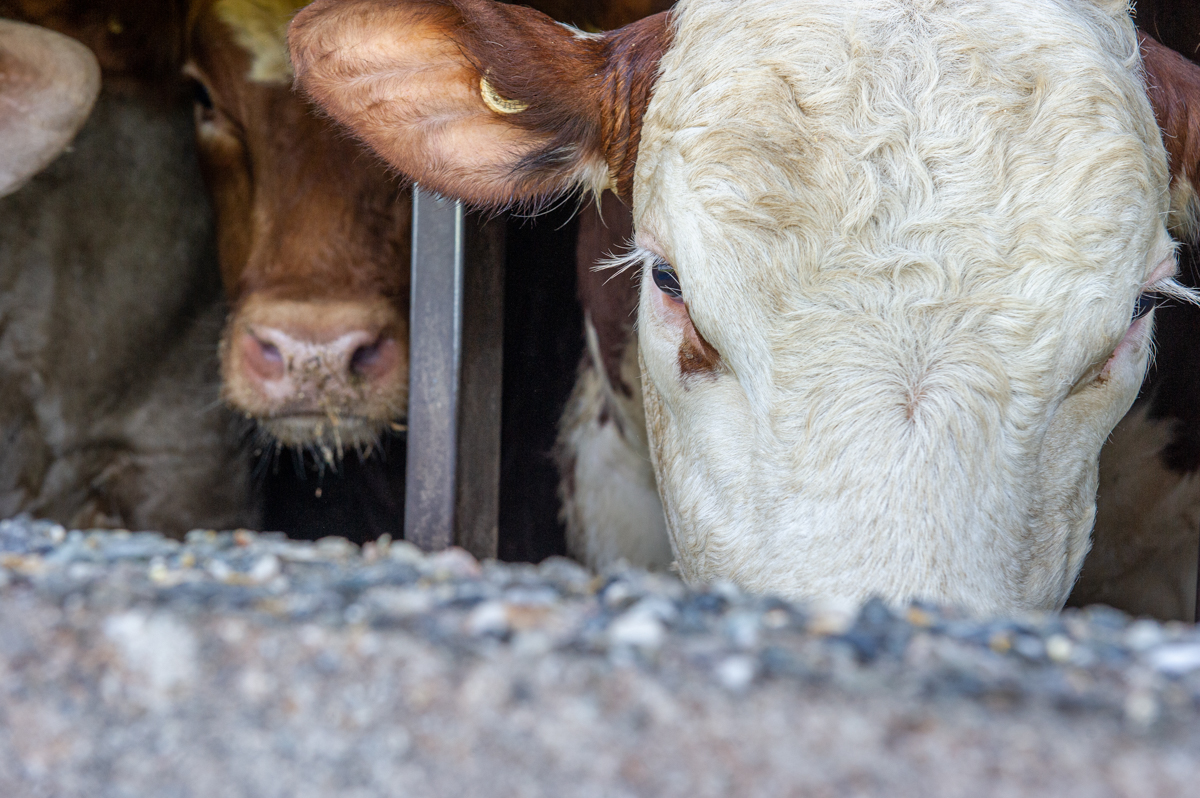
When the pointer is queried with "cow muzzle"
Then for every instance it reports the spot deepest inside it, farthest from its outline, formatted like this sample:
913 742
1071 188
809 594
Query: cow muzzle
329 375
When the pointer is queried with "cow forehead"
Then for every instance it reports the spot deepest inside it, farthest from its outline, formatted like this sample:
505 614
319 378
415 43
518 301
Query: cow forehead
913 149
260 28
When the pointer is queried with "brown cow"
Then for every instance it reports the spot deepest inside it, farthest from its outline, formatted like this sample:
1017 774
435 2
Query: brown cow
110 306
313 237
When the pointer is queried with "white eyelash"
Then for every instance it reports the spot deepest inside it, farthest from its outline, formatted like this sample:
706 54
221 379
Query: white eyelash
634 256
1170 287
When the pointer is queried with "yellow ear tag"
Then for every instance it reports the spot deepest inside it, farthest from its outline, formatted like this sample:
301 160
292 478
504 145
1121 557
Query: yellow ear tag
497 103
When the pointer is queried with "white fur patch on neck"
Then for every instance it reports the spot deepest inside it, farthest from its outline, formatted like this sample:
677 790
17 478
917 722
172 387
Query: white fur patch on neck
260 28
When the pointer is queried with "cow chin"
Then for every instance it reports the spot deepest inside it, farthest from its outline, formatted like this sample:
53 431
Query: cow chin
325 432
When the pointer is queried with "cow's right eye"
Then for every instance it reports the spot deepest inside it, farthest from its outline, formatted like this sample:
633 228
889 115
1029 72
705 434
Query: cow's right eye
666 279
1147 302
201 96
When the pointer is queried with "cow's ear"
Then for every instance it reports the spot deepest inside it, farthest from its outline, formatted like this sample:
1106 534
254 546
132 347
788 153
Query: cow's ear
48 84
1173 84
489 103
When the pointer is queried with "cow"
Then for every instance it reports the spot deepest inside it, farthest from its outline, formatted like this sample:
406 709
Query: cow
48 84
313 240
898 262
302 268
313 236
110 304
1144 542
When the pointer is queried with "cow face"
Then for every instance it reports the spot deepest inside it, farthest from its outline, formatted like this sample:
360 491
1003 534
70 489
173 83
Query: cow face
48 84
313 241
897 266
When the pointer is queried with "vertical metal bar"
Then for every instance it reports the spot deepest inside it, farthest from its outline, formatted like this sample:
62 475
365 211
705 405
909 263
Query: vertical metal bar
456 328
481 379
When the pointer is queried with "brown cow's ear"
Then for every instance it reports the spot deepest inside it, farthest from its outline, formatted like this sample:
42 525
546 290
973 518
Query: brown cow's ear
48 84
1173 84
489 103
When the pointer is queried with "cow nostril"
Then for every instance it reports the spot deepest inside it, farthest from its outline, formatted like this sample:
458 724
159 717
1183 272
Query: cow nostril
270 352
365 357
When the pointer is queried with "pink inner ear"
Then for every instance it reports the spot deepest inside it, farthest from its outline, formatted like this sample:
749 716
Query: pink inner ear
394 75
404 75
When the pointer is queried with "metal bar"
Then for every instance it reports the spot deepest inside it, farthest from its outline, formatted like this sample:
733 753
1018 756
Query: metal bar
456 329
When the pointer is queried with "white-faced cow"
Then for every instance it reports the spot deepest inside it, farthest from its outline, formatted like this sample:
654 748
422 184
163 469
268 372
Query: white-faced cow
110 300
897 258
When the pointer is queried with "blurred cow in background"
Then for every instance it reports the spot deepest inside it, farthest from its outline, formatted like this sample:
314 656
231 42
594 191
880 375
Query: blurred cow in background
48 84
110 304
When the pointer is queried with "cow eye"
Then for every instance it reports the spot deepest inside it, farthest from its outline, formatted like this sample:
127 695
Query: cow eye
201 96
666 279
1147 302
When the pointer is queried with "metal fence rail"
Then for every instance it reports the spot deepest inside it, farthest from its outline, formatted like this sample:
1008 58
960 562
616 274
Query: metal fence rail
455 367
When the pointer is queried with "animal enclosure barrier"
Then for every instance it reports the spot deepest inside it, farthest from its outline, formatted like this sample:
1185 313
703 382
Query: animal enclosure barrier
455 374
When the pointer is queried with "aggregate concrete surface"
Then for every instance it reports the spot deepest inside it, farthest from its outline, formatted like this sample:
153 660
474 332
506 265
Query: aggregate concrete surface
243 664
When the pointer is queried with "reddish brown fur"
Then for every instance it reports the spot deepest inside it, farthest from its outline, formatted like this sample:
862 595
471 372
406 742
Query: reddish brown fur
610 300
599 15
302 212
697 357
585 96
1173 84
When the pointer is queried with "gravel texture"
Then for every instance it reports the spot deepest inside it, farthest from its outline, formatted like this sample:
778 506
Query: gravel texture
243 664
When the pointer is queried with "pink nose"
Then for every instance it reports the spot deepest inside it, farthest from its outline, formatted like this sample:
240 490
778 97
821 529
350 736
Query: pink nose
306 369
273 355
294 365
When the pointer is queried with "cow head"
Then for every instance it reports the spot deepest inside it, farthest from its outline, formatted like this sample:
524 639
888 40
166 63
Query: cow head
48 84
313 240
897 262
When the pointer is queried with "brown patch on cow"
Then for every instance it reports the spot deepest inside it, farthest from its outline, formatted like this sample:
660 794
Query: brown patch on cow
585 94
631 71
609 299
697 357
599 15
1173 85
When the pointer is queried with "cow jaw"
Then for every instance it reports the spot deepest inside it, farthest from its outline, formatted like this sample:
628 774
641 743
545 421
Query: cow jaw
916 326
